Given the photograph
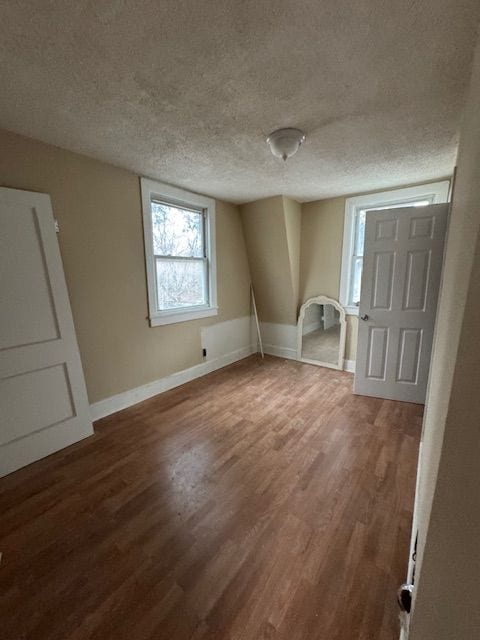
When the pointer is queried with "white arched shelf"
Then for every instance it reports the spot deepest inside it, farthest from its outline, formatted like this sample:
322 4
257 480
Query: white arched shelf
322 300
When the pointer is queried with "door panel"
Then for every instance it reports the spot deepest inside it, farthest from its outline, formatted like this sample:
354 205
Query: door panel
383 280
418 268
20 419
422 227
20 225
43 400
409 355
403 258
377 353
386 229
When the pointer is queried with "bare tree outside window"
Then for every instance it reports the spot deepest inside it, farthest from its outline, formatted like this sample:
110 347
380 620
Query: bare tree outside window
180 258
180 253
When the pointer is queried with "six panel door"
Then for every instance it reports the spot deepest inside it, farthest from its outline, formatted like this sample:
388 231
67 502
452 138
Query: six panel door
403 258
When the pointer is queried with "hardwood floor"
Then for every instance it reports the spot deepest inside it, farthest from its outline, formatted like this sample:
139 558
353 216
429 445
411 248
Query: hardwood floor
262 501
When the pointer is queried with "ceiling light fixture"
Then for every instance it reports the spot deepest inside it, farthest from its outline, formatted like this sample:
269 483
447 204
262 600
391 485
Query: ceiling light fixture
284 143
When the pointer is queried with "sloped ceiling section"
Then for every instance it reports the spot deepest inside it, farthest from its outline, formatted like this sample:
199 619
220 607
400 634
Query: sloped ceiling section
187 91
272 236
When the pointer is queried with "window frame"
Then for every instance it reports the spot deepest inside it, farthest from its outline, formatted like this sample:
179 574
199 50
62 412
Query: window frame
435 192
151 190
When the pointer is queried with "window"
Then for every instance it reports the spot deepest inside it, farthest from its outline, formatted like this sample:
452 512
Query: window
354 230
179 229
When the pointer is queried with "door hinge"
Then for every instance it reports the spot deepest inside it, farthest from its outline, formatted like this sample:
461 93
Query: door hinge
57 226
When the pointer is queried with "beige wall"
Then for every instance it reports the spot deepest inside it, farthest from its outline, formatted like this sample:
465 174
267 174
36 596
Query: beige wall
294 250
321 248
267 238
295 253
321 257
101 241
448 558
293 224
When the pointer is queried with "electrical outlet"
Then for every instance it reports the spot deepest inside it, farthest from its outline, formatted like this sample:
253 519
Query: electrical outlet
204 353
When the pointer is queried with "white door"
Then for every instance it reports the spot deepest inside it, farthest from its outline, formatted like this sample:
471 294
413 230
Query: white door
403 258
43 400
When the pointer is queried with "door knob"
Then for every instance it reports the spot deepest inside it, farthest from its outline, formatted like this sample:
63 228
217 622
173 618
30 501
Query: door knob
404 597
365 317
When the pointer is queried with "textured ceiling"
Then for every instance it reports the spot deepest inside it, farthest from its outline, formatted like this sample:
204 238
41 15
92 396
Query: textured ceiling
185 91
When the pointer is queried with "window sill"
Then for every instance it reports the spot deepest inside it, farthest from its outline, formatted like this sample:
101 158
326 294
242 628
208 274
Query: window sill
182 316
351 311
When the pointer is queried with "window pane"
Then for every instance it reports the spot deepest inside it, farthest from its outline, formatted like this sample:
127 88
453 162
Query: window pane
177 231
356 280
180 283
360 233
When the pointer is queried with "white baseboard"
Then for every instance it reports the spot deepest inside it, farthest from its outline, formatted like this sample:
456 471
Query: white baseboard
291 354
226 337
280 352
133 396
279 340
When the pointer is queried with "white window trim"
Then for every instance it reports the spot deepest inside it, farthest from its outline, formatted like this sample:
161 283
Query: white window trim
153 190
436 192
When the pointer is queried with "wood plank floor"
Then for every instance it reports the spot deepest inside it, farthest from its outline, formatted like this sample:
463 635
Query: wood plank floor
264 501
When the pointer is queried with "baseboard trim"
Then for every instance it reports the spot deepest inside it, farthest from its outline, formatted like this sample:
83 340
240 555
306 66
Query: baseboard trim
291 354
133 396
280 352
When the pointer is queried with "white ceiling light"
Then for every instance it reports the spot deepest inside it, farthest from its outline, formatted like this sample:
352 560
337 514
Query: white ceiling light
285 143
